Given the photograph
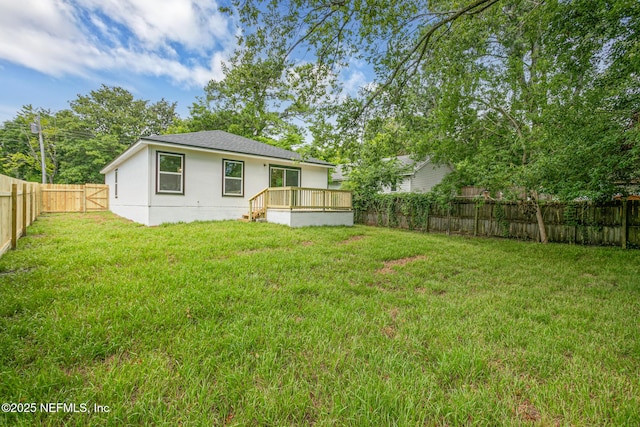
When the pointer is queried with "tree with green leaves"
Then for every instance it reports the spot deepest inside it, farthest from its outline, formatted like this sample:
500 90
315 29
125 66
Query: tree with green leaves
264 95
525 101
20 149
524 95
114 111
80 141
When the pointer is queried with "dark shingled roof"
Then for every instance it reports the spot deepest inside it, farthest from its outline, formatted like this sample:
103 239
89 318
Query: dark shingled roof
223 141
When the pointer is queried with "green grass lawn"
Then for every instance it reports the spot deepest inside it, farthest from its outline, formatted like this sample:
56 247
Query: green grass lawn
228 323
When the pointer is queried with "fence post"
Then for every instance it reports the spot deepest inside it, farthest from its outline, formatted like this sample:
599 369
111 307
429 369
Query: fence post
84 198
39 199
449 217
31 204
24 209
41 194
14 215
428 217
490 228
475 222
34 203
623 225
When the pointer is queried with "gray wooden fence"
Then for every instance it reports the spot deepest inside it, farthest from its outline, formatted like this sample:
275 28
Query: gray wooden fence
615 223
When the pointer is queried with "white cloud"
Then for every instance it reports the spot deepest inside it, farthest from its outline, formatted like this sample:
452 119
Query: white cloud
184 40
354 82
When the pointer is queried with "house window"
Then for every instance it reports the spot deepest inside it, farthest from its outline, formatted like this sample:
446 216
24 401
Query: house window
170 173
233 183
284 177
115 184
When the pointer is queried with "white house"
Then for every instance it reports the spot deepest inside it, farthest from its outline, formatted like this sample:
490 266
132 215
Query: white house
419 177
213 175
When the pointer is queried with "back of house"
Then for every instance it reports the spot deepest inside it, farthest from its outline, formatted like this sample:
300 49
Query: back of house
208 175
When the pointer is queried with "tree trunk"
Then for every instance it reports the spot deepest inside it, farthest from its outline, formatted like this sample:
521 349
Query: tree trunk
539 218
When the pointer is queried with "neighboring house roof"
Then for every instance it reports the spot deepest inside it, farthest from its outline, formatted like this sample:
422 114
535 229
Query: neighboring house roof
406 162
339 174
410 165
219 141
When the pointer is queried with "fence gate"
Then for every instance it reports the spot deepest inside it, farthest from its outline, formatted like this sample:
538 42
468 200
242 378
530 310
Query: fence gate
97 197
75 198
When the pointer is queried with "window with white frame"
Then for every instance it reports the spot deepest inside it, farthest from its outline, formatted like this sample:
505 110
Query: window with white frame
280 176
116 183
170 173
233 181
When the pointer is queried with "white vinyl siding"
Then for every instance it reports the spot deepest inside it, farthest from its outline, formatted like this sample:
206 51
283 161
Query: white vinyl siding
428 177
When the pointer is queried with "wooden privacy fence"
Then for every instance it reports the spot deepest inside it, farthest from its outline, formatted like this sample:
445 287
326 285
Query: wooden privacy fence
615 223
75 198
20 203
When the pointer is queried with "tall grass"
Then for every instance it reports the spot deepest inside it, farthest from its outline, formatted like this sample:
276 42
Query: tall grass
227 323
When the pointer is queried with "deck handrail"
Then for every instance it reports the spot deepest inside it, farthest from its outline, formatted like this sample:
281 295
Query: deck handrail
257 204
303 198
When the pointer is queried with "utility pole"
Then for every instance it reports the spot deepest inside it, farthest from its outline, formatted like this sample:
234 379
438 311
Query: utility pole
37 128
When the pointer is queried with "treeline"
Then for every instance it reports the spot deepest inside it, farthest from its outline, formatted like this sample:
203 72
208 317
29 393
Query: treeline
80 140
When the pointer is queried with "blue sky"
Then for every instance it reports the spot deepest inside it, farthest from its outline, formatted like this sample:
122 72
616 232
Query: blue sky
53 50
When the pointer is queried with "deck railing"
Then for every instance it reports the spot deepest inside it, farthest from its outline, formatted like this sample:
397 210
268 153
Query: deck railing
298 198
258 205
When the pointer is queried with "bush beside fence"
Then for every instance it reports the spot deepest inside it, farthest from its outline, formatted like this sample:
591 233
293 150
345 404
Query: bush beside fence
614 223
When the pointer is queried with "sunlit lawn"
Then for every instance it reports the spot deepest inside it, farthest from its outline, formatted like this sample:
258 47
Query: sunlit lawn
229 323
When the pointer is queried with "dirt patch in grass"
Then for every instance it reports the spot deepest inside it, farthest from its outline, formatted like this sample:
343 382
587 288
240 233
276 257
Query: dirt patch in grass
17 271
527 412
172 259
388 265
253 251
307 243
389 331
98 219
432 291
352 239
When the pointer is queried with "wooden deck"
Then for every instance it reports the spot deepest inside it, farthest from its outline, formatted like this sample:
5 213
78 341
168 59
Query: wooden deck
299 199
